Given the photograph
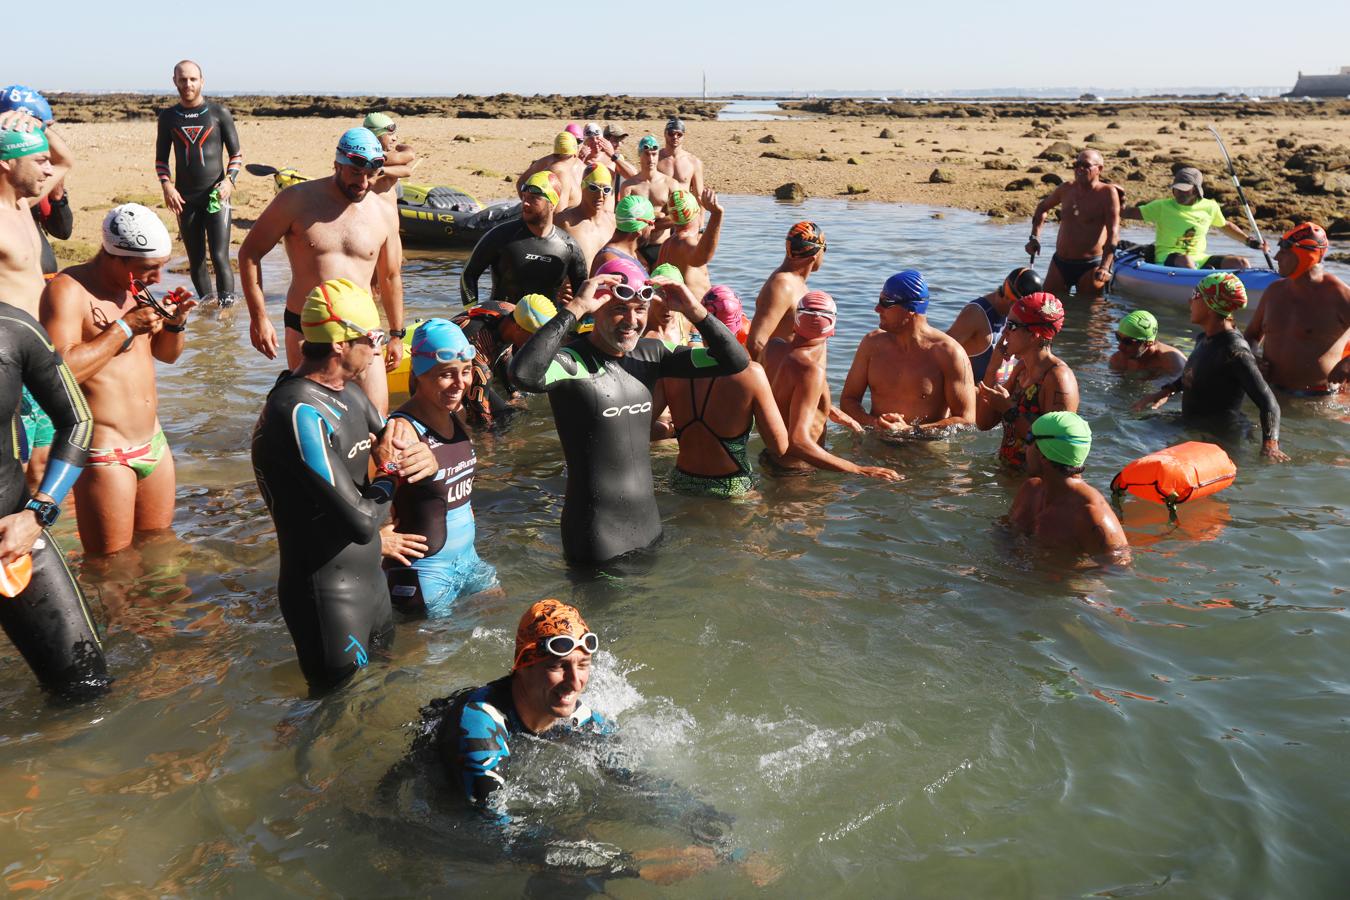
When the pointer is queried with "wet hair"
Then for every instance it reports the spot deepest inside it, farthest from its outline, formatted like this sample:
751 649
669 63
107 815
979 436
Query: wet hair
315 350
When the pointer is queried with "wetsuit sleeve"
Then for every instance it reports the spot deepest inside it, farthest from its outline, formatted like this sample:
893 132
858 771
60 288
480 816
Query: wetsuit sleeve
1243 367
576 268
55 389
230 135
540 364
481 750
163 144
484 255
362 511
721 354
59 221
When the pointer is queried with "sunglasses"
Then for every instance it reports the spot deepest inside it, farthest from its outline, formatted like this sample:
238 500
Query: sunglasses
561 645
599 188
626 293
1010 325
362 162
445 355
675 133
1086 165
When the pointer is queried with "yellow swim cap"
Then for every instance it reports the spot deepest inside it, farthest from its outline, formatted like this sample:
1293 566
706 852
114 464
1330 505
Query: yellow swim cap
532 311
598 174
565 143
545 183
338 310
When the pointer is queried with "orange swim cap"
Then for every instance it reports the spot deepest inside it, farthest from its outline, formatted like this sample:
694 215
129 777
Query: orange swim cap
1308 243
805 239
541 621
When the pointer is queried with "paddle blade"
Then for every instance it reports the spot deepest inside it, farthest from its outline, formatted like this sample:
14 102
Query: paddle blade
259 169
15 576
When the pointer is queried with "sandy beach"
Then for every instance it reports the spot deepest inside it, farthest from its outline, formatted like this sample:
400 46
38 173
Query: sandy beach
1000 166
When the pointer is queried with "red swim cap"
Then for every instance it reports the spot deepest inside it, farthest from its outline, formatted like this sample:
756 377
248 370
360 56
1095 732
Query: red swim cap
1042 313
816 314
1308 243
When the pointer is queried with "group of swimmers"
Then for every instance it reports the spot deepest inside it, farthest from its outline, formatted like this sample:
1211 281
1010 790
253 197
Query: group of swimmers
601 298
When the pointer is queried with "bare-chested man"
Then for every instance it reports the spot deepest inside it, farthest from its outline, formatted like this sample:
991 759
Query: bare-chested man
333 228
599 149
653 185
565 164
591 222
778 297
33 160
1089 229
1141 351
1303 320
681 166
796 371
399 159
1055 505
919 377
110 338
686 249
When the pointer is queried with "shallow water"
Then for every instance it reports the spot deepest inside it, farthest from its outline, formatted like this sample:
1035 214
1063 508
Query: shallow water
889 695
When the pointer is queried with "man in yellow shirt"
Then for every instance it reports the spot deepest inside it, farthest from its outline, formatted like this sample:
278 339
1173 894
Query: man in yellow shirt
1182 221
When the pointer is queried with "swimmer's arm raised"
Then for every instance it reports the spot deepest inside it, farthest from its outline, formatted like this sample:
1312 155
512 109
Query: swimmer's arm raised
330 487
721 353
62 162
538 366
63 307
398 163
707 244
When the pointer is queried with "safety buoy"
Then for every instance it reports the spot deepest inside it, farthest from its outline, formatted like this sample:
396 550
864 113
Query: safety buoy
1177 474
14 576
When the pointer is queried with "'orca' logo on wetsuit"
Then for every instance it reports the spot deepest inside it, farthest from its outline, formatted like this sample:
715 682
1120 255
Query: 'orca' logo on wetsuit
633 409
360 445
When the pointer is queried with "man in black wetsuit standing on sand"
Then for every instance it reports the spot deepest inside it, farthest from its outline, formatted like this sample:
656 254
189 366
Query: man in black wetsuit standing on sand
200 195
600 388
531 256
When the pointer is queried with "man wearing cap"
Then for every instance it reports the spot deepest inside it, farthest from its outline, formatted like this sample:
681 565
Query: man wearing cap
1055 505
332 228
591 222
654 186
33 160
399 159
496 331
1089 229
1182 221
796 371
1141 351
980 321
778 297
111 339
565 165
312 448
1302 323
531 255
681 166
687 249
919 378
633 219
1221 370
623 167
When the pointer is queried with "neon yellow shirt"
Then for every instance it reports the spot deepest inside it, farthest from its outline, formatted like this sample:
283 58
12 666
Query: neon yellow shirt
1181 228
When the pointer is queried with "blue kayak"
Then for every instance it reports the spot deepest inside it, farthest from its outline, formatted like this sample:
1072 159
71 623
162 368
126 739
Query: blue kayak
1136 276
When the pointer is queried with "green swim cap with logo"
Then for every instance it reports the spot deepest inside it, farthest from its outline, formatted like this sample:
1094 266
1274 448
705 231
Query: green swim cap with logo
1140 325
634 213
1062 437
14 144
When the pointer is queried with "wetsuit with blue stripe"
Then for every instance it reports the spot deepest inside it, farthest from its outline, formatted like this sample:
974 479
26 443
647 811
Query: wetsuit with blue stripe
311 448
440 509
48 622
980 361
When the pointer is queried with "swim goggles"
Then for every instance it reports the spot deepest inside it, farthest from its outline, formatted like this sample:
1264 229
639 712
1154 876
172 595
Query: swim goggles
376 336
627 294
140 292
562 644
1010 325
362 162
447 355
599 188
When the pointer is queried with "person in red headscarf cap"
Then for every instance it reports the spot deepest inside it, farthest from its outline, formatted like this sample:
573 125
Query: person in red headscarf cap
1040 382
1302 323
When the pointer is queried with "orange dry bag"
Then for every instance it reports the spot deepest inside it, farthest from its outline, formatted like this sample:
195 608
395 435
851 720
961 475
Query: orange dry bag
14 576
1177 474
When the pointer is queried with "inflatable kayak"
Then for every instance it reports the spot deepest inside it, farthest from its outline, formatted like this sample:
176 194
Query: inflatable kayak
1136 276
433 216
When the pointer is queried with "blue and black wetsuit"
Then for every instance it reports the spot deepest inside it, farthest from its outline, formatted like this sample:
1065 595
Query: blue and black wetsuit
198 136
311 447
602 408
48 622
523 263
980 361
440 509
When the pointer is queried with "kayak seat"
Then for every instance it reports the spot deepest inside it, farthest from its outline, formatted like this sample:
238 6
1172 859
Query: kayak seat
449 199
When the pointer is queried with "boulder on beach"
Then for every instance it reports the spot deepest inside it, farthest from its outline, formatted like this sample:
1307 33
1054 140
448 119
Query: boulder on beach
942 176
790 191
768 139
886 134
1051 178
1059 151
1002 165
1020 184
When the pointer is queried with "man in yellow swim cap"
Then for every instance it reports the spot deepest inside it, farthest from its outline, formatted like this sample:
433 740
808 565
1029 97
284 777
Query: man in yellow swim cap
591 222
565 165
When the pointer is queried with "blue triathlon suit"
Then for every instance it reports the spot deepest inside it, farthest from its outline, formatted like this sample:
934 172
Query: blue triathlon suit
980 361
439 509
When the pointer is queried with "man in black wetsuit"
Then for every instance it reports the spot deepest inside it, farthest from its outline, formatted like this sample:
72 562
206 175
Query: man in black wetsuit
529 256
46 619
311 446
200 196
1222 369
599 386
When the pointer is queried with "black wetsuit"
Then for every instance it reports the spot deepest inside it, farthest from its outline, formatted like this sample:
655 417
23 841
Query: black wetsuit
48 621
198 136
602 408
1220 371
310 450
523 263
53 217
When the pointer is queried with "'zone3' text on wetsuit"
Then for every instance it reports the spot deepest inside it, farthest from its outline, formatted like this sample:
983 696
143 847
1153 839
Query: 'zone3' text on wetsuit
602 408
1219 372
523 263
197 136
48 622
311 447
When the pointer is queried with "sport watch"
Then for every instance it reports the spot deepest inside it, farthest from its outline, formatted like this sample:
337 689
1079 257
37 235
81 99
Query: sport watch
399 333
46 511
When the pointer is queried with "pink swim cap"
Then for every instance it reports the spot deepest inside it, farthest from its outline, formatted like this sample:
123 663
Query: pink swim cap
722 302
816 314
632 274
574 130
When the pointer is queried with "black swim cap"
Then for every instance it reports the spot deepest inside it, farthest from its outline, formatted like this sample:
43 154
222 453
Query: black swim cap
1023 281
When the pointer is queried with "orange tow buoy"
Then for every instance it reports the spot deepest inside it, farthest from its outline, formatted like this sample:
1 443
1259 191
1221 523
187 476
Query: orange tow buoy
1172 476
14 576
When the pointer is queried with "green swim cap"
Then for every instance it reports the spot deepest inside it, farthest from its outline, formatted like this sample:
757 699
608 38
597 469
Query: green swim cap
666 270
14 144
634 213
1140 325
1062 437
649 142
683 207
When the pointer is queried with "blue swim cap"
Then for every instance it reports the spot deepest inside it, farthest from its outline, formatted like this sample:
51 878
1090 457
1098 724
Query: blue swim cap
359 147
907 289
438 341
25 99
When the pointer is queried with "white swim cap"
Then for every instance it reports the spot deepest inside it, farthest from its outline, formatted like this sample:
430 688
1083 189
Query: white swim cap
133 230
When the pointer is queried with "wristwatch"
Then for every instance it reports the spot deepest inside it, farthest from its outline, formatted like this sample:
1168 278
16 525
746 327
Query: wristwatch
46 511
399 333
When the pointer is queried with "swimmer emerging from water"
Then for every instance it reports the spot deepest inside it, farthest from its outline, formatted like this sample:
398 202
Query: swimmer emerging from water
777 301
1089 229
919 378
1141 351
1055 505
796 372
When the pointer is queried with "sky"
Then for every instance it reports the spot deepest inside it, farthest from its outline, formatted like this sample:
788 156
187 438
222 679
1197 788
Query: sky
445 48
